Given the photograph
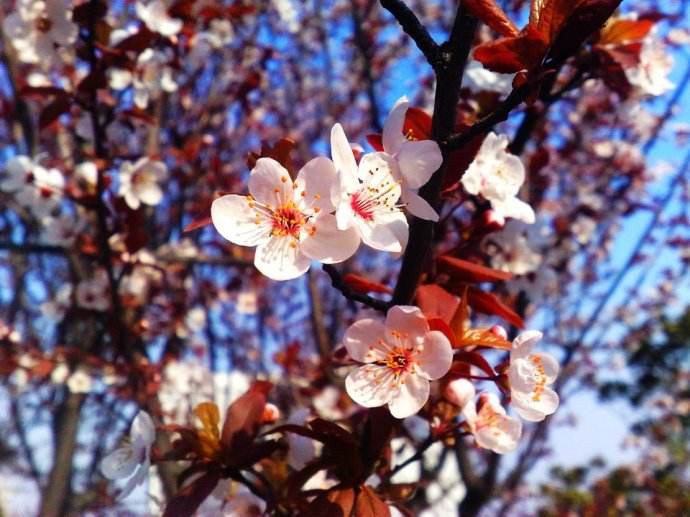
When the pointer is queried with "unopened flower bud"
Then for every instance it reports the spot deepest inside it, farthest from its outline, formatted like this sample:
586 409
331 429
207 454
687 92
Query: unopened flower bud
271 414
459 392
499 331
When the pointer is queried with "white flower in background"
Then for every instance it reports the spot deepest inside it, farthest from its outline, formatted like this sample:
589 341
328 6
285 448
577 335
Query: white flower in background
151 76
80 381
288 222
145 272
247 302
134 458
477 79
583 229
415 161
244 504
62 230
368 196
94 293
288 14
86 175
530 375
651 74
155 16
491 427
498 175
56 308
60 373
219 34
510 249
35 188
139 182
400 356
37 27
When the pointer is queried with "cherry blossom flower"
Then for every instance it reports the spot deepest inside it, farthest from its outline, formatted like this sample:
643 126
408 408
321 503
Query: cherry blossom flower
34 187
530 375
498 175
492 428
477 79
155 16
368 196
288 222
415 161
93 293
80 381
400 357
139 182
38 28
650 76
62 230
134 458
511 251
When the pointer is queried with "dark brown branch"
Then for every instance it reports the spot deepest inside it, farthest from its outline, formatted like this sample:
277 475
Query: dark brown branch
415 30
349 293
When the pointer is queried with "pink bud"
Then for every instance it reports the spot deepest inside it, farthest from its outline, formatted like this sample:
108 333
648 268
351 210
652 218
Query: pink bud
271 414
459 392
499 331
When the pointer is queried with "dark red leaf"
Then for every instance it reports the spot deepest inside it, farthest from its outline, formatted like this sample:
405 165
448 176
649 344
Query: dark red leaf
492 15
417 125
622 30
369 504
460 160
466 271
88 12
53 110
189 498
138 41
330 430
197 223
489 303
473 359
364 285
442 326
375 141
509 55
337 503
41 91
436 302
243 417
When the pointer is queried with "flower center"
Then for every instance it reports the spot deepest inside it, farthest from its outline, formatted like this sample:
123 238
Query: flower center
539 377
487 417
369 200
400 360
287 221
43 24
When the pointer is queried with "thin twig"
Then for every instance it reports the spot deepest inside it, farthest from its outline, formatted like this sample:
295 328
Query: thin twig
349 293
415 30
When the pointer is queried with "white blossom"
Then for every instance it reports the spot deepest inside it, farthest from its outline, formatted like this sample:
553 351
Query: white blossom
154 14
140 182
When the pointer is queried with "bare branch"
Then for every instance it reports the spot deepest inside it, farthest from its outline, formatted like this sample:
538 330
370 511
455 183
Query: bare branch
415 30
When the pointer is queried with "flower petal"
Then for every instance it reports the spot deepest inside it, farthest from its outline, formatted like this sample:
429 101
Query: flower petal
237 222
435 359
417 206
393 137
460 392
343 157
365 341
412 394
515 208
500 438
270 183
535 410
120 463
418 160
524 343
315 183
281 259
370 385
387 233
376 171
137 479
408 321
327 243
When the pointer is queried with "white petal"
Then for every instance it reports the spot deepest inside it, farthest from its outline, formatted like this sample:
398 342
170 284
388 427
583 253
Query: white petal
418 160
119 78
270 183
120 463
236 221
317 180
515 208
149 194
533 410
327 243
551 366
365 341
143 429
411 396
137 479
501 438
524 343
460 392
408 321
417 206
393 136
388 234
472 180
436 357
281 259
376 170
343 157
370 385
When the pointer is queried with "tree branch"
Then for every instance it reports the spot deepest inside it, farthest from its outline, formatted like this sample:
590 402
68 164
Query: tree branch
349 293
415 30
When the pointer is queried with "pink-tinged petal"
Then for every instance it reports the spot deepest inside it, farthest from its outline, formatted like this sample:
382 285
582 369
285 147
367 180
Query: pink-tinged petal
551 366
492 403
143 429
387 233
150 194
376 171
343 157
514 208
436 356
417 206
523 375
524 343
406 322
418 160
365 341
315 184
410 397
137 479
270 183
370 385
327 243
393 137
459 392
120 463
472 180
533 407
344 216
281 259
501 438
238 222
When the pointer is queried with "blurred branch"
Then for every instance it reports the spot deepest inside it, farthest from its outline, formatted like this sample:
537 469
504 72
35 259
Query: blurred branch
415 30
365 47
349 293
